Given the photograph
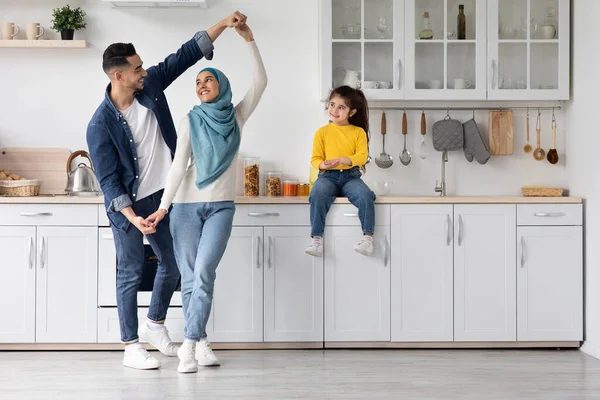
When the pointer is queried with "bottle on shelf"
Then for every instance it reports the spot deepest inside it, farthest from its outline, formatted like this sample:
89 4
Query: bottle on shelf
461 23
426 33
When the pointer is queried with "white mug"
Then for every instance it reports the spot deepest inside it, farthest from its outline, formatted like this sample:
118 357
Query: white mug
385 85
9 30
462 83
435 84
35 31
370 85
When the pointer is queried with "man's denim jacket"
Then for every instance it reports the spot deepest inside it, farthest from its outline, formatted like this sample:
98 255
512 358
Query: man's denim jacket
109 137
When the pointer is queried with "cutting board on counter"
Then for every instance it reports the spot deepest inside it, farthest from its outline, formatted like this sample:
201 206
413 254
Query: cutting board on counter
46 163
501 132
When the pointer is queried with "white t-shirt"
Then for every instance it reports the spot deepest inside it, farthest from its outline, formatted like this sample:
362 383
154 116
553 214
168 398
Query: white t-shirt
153 154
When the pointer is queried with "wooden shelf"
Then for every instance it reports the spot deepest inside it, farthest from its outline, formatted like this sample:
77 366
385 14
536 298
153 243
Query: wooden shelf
44 44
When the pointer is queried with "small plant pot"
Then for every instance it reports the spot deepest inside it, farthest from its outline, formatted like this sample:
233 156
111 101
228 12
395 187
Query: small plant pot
67 34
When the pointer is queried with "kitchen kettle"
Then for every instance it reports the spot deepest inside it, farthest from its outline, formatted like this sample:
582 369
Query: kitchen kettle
81 181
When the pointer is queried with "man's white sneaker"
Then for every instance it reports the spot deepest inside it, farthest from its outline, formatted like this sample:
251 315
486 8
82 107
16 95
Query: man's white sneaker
187 359
205 355
159 339
139 358
365 246
316 247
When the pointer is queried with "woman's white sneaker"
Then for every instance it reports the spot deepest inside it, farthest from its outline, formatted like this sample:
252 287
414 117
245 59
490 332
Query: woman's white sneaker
205 355
137 357
187 360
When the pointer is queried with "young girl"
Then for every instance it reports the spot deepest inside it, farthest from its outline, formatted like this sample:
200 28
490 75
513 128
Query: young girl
340 150
203 191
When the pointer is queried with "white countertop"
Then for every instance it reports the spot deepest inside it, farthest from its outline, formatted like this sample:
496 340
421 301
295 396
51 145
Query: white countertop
63 199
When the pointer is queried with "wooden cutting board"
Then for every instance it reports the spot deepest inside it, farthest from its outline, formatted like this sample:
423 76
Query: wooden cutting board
501 132
45 163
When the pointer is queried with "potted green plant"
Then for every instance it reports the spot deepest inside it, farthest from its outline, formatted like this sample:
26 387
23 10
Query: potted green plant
67 20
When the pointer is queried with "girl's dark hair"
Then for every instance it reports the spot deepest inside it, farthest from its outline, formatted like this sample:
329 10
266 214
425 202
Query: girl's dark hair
356 100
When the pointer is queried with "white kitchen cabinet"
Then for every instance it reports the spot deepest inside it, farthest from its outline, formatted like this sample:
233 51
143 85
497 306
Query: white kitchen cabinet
293 286
237 309
67 268
527 60
422 273
17 285
357 287
445 68
364 37
485 291
550 283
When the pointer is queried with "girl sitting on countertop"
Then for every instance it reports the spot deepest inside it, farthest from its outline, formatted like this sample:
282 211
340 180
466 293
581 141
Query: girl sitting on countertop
340 151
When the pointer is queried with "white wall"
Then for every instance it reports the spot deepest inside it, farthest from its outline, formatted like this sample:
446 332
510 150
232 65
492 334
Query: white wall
48 96
582 153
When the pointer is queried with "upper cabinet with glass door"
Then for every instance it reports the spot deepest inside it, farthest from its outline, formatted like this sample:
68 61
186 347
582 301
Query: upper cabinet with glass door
528 49
446 49
363 46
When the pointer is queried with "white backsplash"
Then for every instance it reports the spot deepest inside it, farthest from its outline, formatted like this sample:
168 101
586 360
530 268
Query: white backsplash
50 95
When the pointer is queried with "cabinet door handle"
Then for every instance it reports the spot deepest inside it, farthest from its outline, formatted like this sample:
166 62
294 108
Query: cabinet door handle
43 253
40 214
261 214
386 251
269 252
31 254
350 215
522 252
448 230
460 230
399 73
549 215
258 252
108 236
493 73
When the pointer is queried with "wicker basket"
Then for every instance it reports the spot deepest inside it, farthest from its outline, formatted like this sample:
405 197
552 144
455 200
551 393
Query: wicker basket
21 188
541 191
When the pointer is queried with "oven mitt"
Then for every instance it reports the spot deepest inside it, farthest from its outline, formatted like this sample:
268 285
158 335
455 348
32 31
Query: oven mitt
474 145
447 134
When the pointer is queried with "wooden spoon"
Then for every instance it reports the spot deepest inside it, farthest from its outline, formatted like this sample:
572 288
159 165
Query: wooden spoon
527 148
539 153
552 153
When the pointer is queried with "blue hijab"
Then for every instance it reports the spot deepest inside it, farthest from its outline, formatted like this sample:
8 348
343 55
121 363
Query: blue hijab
214 133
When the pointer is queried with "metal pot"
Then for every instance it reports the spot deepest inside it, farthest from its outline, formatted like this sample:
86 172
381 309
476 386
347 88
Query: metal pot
81 181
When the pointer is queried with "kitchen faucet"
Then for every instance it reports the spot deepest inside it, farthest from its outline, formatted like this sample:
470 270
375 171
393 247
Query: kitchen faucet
441 188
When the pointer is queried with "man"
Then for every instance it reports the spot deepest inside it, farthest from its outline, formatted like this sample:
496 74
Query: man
131 139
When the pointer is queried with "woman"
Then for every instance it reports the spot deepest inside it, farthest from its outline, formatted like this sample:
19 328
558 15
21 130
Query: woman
201 185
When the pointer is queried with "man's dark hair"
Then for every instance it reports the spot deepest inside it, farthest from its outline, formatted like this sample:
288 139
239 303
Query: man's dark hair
115 56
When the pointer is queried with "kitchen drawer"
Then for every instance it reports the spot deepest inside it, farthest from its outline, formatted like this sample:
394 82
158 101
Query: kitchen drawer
549 214
347 215
109 331
49 214
272 214
102 217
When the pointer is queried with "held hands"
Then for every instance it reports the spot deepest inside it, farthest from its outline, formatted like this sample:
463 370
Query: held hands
142 225
156 217
234 20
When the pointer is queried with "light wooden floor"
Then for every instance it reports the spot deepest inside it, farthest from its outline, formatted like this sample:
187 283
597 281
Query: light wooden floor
308 374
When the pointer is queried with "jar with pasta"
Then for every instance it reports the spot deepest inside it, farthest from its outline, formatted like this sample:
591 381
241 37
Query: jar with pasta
273 183
251 176
290 187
